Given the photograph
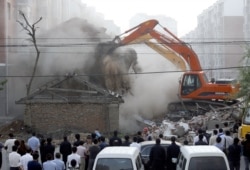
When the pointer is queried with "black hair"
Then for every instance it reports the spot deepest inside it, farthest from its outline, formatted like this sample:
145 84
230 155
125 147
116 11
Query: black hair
158 141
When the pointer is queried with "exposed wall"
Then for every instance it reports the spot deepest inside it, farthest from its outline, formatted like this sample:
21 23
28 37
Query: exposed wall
56 118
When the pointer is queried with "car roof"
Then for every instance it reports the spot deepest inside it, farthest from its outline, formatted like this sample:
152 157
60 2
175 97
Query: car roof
152 142
201 150
118 152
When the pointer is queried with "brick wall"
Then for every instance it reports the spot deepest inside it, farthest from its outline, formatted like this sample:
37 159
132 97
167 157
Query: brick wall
54 118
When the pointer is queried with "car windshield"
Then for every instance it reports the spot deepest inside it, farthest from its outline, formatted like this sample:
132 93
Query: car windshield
207 163
114 164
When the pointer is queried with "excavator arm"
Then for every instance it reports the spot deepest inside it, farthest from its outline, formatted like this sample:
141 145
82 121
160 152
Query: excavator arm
170 47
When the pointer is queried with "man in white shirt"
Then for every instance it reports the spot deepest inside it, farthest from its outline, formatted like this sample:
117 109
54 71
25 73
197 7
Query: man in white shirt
196 138
81 150
135 144
9 143
25 159
74 156
14 159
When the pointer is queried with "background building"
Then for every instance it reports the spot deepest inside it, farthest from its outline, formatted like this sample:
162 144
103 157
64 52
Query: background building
218 38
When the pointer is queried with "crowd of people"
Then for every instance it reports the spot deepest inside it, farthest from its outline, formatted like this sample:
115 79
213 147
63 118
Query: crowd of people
35 153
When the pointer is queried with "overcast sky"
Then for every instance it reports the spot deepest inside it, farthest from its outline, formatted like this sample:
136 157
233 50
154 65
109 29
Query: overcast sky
185 12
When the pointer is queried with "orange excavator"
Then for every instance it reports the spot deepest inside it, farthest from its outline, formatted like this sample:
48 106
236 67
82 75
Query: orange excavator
194 83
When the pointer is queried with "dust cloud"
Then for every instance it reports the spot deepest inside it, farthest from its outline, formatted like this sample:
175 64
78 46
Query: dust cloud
151 92
74 47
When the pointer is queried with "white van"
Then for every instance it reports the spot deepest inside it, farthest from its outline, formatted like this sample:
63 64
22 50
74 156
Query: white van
201 157
118 157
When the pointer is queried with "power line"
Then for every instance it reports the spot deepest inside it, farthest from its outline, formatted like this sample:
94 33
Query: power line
92 53
96 43
123 74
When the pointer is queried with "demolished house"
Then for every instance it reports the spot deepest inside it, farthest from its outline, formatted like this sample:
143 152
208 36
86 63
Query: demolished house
71 104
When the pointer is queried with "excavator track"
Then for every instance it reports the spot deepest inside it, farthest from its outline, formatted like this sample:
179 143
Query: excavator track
190 108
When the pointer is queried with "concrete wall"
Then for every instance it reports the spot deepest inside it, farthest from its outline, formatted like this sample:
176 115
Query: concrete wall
82 118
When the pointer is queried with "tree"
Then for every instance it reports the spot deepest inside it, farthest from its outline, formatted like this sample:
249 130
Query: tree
245 79
31 31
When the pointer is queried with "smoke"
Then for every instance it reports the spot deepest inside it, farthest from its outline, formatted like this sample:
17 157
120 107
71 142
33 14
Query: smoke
67 48
72 47
151 92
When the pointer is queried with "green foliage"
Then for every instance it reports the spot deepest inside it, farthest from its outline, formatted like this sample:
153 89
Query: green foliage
2 83
245 78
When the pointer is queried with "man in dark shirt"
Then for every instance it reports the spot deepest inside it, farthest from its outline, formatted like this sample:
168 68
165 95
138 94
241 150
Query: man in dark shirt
65 149
49 147
234 154
157 156
139 137
115 140
172 154
34 164
93 151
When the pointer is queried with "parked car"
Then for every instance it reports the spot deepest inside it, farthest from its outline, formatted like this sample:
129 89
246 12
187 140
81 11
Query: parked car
146 148
118 157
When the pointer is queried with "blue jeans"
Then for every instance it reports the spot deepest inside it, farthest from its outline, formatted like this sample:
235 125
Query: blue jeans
246 160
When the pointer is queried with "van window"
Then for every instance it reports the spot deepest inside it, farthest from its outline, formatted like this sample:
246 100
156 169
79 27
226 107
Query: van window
207 163
114 164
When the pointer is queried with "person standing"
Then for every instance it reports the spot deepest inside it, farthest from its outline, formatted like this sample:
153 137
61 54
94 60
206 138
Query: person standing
22 148
103 143
9 143
42 150
49 148
49 164
34 164
228 139
81 150
87 145
77 141
65 149
200 141
73 156
246 150
115 140
157 156
196 138
172 154
34 142
25 159
93 151
139 137
14 159
59 163
234 153
126 141
212 139
135 144
219 144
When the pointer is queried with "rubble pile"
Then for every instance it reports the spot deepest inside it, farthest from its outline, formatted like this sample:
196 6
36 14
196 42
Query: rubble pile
186 129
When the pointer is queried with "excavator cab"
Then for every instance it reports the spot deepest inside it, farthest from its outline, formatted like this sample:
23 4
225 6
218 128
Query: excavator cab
190 83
